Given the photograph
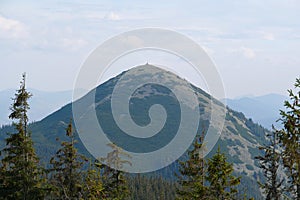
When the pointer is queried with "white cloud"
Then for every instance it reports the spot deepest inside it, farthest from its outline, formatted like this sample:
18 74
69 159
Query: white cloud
10 28
112 16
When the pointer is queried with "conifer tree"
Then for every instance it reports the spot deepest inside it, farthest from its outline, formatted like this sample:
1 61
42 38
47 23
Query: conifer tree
20 175
269 163
66 171
93 187
289 138
191 174
219 176
114 180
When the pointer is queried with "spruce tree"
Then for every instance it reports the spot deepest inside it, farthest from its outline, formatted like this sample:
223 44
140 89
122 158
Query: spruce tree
20 175
269 163
192 173
93 187
222 184
66 175
289 138
114 180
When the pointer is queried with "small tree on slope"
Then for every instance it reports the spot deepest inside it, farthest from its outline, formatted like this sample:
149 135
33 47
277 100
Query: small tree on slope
219 176
191 174
66 175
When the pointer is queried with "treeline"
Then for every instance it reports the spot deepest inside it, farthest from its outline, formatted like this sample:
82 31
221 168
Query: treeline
150 188
71 175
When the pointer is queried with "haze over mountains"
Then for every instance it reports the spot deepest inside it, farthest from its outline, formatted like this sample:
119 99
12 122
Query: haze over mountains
240 136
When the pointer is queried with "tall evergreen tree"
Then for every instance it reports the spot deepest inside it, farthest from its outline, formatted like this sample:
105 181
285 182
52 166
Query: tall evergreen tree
114 180
192 174
219 176
20 175
66 171
269 163
289 138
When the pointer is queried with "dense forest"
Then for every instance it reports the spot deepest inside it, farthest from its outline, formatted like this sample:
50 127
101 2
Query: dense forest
71 175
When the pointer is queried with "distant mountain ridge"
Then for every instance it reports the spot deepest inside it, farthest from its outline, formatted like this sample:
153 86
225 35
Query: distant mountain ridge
239 140
262 109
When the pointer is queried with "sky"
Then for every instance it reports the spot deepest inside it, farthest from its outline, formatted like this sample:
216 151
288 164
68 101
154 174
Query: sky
253 43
